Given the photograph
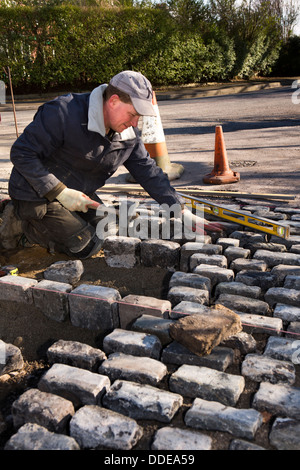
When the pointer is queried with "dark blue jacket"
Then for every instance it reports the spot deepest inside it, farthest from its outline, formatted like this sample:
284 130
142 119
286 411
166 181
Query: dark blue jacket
57 147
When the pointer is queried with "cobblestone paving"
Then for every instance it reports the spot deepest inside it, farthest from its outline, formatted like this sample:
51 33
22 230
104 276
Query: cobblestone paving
142 389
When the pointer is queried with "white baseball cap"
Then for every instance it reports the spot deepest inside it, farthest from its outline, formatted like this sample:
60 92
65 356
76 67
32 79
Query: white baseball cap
138 88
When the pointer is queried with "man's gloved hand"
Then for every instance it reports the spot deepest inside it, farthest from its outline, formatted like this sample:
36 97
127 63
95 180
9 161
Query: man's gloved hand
199 225
75 200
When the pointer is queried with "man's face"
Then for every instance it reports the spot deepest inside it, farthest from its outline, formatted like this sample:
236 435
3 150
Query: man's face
119 115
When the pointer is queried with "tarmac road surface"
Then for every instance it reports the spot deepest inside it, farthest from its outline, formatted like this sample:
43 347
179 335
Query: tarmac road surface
261 132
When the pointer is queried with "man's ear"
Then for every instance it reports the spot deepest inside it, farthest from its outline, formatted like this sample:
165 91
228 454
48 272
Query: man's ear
114 100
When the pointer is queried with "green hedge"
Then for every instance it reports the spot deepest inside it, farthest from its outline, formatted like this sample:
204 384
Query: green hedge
59 47
288 63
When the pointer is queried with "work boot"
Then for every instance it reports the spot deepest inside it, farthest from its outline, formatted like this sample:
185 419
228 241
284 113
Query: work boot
93 247
10 228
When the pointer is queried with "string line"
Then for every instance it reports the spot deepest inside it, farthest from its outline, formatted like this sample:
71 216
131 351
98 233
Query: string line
153 308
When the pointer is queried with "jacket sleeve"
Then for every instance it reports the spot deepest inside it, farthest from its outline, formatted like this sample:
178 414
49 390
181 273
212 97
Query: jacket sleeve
151 177
39 140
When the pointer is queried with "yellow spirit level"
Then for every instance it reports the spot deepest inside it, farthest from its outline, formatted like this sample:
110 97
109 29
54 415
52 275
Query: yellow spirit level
241 217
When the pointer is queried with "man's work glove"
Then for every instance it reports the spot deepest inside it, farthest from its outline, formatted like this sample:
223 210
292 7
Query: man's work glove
198 224
75 200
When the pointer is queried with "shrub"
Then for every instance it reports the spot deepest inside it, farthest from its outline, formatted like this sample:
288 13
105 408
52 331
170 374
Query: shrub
60 47
288 63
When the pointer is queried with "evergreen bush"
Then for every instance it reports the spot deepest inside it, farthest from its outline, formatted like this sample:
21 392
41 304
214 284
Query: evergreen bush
70 47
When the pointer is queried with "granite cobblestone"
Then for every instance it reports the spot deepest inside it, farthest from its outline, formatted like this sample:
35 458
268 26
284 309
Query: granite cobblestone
99 398
212 415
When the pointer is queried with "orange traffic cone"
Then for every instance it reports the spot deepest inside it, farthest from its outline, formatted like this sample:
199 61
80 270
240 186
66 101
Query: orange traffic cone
221 174
155 143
